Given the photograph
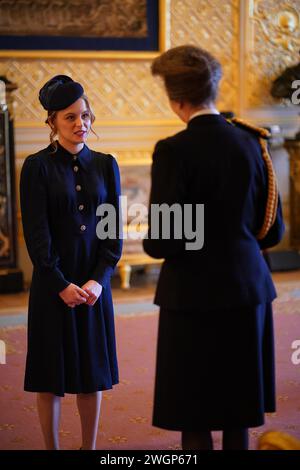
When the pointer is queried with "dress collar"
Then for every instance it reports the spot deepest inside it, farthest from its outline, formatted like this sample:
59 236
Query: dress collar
83 157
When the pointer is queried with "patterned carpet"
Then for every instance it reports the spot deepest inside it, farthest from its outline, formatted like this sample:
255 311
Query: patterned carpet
126 411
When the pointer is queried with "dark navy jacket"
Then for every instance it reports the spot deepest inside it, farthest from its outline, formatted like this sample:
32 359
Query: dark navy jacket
214 163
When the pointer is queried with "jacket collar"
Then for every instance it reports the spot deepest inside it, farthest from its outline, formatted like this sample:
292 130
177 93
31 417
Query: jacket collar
204 111
83 157
206 119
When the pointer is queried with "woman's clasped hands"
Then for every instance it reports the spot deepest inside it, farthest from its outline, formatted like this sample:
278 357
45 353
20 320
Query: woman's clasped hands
74 295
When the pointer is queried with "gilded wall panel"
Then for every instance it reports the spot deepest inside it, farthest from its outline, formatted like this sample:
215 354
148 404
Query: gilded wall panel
124 89
273 44
213 25
118 90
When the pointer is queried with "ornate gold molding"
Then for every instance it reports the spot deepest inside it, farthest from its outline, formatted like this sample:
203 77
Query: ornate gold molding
271 43
109 123
71 55
280 26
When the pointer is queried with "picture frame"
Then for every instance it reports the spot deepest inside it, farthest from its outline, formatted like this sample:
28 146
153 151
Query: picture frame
153 42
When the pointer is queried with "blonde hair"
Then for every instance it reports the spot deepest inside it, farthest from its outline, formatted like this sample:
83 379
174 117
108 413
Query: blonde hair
52 124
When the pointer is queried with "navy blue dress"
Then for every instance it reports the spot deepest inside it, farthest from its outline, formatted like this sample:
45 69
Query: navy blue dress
70 350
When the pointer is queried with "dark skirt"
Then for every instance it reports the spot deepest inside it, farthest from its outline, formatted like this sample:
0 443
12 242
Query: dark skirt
73 350
215 370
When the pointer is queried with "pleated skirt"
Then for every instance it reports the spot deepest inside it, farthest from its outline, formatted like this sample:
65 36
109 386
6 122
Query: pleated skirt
214 370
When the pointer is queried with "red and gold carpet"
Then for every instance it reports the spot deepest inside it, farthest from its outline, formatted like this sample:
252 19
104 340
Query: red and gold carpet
126 410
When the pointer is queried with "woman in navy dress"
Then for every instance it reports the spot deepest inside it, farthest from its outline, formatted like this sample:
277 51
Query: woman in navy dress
215 358
71 337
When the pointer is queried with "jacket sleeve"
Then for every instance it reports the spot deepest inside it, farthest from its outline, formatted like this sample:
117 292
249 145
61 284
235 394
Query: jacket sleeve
33 198
166 188
110 248
276 232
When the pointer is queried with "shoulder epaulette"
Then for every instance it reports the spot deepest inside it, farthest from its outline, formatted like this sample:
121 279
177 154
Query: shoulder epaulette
260 131
272 199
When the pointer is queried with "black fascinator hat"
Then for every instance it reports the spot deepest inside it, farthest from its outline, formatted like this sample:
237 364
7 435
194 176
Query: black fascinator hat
59 93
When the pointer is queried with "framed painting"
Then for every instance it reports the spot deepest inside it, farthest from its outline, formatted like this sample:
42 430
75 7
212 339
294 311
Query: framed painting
89 29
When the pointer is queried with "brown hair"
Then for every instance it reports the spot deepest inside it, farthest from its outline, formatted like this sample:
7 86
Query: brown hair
190 74
51 122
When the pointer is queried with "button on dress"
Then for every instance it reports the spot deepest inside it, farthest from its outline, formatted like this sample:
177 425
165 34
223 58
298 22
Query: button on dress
70 350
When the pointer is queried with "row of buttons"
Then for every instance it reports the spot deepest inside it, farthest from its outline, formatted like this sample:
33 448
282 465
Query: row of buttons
78 188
